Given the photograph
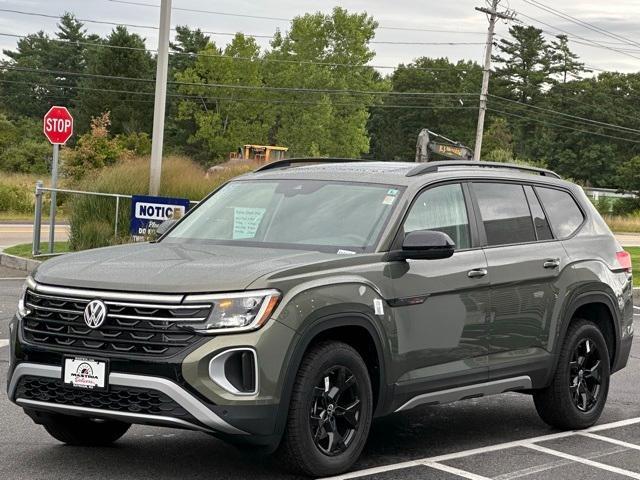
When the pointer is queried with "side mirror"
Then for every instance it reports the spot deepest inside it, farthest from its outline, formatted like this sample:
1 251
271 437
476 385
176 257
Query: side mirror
424 245
165 226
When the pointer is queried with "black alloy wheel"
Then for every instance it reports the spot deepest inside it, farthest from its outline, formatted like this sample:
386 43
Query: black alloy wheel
585 375
335 410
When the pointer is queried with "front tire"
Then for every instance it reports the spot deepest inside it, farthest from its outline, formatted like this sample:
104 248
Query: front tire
330 411
577 395
84 432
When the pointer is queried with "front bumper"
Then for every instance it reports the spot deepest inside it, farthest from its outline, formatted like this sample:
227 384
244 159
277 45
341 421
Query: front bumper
181 379
199 416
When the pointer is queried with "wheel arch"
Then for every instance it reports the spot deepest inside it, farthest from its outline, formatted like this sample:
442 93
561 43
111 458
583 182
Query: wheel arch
343 327
599 308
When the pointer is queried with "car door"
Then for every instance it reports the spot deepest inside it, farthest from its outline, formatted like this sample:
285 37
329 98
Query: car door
441 305
524 261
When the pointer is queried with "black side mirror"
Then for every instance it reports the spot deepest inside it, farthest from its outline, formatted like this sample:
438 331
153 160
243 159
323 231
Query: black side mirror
424 245
165 226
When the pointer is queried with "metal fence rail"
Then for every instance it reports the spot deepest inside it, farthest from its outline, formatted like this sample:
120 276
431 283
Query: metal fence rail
37 220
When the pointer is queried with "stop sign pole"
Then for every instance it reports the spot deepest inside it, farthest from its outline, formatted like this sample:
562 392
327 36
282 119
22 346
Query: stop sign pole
58 128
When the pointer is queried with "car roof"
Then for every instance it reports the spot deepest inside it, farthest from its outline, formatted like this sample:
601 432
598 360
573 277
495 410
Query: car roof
397 173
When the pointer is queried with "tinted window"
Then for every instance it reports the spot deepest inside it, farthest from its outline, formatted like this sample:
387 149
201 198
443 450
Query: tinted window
539 220
505 213
564 214
443 209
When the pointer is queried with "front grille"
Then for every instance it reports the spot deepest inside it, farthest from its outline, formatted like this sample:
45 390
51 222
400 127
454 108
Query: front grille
129 328
121 399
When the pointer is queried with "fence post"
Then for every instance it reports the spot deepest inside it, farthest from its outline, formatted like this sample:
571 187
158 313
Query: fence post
37 220
115 230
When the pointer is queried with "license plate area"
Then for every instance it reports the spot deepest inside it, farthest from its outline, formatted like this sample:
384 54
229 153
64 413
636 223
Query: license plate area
85 373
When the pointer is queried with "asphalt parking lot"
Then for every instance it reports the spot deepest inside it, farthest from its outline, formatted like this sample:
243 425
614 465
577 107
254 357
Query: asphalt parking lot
497 437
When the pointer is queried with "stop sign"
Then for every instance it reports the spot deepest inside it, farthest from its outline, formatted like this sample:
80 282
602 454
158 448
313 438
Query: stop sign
58 125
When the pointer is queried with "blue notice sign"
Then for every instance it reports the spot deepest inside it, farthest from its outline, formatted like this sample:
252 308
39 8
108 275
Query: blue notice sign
148 212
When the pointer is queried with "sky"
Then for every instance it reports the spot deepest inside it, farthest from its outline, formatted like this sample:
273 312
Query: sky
459 18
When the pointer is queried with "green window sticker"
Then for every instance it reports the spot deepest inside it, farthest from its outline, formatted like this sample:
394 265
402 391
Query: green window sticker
246 221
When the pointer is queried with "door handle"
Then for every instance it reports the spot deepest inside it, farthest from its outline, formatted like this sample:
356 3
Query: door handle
477 273
551 263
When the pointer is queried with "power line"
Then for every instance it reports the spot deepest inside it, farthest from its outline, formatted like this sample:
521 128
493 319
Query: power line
153 27
577 21
544 122
250 59
205 97
242 87
234 99
567 115
282 19
573 36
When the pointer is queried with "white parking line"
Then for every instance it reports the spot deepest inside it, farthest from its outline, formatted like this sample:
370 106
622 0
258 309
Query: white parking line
455 471
13 278
615 441
3 342
491 448
591 463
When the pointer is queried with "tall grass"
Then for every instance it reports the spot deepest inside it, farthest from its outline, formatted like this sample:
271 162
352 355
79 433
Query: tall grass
93 218
623 223
17 193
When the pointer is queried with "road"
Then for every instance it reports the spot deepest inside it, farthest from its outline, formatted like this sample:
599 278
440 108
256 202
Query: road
464 440
13 233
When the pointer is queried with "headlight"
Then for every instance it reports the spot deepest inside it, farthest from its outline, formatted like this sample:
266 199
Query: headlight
23 311
235 312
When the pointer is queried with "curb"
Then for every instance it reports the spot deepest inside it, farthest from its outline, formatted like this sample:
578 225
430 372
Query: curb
636 296
18 263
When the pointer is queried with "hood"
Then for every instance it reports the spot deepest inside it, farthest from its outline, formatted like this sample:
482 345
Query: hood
170 268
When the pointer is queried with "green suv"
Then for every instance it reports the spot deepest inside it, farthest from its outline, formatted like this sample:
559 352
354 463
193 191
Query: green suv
297 303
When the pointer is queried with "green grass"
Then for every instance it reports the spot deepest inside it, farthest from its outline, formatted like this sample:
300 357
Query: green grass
635 263
24 249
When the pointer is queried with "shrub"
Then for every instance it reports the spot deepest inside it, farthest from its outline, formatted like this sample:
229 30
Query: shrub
29 156
139 143
92 218
95 150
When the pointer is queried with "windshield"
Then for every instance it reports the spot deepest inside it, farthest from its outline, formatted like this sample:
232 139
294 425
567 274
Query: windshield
338 217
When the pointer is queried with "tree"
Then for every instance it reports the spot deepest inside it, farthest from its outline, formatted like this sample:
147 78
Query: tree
129 112
308 122
524 63
497 137
564 63
395 125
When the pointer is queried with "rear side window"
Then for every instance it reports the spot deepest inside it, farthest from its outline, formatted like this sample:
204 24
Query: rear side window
564 214
539 220
505 213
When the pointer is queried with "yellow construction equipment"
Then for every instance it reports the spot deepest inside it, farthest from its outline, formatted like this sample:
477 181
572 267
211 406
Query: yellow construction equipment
260 153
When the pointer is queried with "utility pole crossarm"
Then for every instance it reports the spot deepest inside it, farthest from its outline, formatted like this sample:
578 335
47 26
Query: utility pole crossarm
486 70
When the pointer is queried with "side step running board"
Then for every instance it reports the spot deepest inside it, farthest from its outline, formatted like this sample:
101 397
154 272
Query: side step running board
470 391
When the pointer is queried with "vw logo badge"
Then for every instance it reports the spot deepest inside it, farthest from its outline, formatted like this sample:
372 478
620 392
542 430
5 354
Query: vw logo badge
95 313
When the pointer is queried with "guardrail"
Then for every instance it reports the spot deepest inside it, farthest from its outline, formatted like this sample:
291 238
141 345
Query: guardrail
37 219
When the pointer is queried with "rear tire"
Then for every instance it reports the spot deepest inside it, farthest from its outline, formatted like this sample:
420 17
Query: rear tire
330 412
84 432
578 392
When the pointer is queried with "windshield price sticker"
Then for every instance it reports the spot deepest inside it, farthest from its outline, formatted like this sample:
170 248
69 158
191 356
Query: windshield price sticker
246 221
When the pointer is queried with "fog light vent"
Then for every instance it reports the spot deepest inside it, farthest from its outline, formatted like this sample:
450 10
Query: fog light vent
236 371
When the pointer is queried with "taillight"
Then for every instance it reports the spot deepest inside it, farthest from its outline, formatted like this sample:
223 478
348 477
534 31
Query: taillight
624 260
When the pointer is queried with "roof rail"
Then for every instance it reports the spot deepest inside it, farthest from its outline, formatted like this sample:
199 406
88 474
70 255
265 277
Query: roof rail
433 167
291 162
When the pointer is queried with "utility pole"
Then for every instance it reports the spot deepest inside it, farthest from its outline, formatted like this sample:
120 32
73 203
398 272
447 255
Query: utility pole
155 169
486 72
